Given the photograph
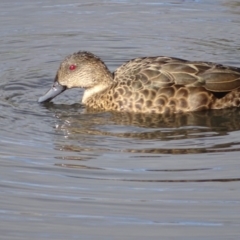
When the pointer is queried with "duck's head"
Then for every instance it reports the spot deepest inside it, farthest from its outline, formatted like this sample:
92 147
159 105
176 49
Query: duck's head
79 70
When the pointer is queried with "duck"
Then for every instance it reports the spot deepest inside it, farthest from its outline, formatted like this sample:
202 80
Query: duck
157 84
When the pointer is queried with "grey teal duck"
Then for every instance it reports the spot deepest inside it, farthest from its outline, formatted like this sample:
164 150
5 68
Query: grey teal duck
148 84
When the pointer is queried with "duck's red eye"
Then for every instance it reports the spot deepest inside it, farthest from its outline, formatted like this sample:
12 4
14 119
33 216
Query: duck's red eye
72 67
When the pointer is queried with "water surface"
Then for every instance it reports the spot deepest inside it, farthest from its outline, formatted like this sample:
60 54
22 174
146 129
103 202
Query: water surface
68 174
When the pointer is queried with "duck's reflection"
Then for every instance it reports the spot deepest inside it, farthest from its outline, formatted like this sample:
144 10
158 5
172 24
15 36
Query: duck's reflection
96 133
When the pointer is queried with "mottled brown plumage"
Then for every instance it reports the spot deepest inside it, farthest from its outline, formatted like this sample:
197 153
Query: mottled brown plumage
149 85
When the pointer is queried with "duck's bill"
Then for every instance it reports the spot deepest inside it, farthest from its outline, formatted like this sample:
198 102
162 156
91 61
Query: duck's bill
55 90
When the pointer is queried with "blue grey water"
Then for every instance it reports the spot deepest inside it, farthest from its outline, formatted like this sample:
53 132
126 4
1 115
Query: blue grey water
68 174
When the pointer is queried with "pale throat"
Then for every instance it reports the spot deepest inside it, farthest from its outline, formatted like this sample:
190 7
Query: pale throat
90 92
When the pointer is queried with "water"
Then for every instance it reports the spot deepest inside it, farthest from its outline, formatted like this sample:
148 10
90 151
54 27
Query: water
67 174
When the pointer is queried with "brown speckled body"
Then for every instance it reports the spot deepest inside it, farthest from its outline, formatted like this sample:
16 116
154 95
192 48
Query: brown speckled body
170 99
152 84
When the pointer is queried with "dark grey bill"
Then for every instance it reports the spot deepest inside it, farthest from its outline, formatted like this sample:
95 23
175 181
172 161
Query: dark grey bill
55 90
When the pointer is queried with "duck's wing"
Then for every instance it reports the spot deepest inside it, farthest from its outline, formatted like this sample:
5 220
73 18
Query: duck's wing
165 71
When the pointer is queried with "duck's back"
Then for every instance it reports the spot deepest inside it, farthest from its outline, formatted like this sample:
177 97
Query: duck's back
165 71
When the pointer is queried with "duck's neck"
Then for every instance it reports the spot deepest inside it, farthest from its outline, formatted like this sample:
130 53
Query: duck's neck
103 77
90 92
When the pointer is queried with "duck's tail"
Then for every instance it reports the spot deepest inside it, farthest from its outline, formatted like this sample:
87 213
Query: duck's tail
231 99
